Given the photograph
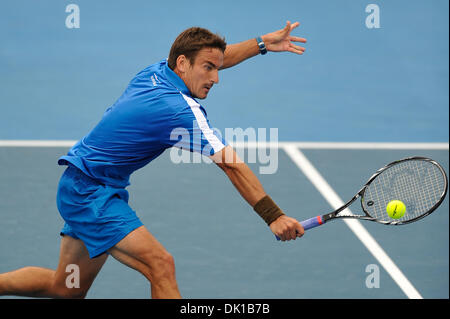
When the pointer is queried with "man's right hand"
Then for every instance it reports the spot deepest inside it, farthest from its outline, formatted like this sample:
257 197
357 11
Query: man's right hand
287 228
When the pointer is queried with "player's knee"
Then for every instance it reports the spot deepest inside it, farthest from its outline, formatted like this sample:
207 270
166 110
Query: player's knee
161 268
70 293
76 293
165 266
60 290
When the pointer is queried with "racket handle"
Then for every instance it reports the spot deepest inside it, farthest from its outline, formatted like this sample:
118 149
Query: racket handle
309 223
312 222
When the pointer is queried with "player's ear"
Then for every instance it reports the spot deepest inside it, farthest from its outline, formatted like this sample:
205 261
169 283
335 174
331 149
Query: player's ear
182 63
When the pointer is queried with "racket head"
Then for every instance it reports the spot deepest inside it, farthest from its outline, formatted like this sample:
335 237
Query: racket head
419 182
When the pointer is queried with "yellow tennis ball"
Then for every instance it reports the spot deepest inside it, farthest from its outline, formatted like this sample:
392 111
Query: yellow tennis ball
396 209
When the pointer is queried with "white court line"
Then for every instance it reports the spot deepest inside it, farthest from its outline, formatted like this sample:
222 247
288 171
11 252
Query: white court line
345 145
36 143
358 229
303 145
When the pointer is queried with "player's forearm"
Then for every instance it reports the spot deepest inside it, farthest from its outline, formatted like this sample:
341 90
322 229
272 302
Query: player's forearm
238 52
239 174
246 183
250 188
252 191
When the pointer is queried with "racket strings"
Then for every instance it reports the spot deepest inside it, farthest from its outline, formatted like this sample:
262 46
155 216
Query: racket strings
418 184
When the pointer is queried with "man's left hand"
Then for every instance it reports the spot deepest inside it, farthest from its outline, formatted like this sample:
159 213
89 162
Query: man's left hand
281 40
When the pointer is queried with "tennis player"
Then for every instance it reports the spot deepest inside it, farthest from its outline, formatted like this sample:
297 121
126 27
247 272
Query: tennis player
158 110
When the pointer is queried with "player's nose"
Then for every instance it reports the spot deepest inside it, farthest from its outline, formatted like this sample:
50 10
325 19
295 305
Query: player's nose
215 77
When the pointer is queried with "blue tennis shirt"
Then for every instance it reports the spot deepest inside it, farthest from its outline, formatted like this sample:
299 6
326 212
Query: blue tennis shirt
155 112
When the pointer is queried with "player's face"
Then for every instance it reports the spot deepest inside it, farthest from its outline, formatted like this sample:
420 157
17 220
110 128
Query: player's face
200 76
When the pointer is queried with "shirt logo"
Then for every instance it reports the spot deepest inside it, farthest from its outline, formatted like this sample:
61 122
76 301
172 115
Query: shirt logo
155 79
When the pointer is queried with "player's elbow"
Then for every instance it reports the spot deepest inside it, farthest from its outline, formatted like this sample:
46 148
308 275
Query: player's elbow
226 167
227 159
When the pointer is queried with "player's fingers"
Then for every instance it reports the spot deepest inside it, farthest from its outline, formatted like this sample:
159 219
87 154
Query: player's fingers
297 39
295 25
286 29
295 51
297 48
279 235
300 231
293 232
287 233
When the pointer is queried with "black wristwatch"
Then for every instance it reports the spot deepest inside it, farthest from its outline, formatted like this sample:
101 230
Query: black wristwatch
261 45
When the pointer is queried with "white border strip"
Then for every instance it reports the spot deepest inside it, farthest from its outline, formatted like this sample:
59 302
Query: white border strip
302 145
345 145
36 143
356 227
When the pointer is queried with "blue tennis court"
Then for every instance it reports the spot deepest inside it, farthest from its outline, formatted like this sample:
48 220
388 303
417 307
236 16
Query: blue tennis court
357 99
222 248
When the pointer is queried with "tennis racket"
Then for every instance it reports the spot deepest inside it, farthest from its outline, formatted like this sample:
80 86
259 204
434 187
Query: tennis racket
419 182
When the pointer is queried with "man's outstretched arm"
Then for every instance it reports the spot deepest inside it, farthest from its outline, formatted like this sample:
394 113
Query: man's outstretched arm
277 41
251 190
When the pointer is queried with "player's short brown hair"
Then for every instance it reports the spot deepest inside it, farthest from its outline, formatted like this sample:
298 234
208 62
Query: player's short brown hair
191 41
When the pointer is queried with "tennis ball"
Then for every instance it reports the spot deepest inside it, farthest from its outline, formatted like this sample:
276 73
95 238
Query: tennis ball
396 209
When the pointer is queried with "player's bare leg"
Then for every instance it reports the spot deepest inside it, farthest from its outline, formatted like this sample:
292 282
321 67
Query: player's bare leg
43 282
142 252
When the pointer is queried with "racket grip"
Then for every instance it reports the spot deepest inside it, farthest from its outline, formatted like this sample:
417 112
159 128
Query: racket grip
309 223
312 222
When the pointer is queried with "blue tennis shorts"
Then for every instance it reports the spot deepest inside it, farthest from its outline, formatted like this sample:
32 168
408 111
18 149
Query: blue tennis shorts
97 214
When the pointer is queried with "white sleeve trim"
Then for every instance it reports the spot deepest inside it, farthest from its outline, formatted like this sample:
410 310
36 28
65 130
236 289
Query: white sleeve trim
215 143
